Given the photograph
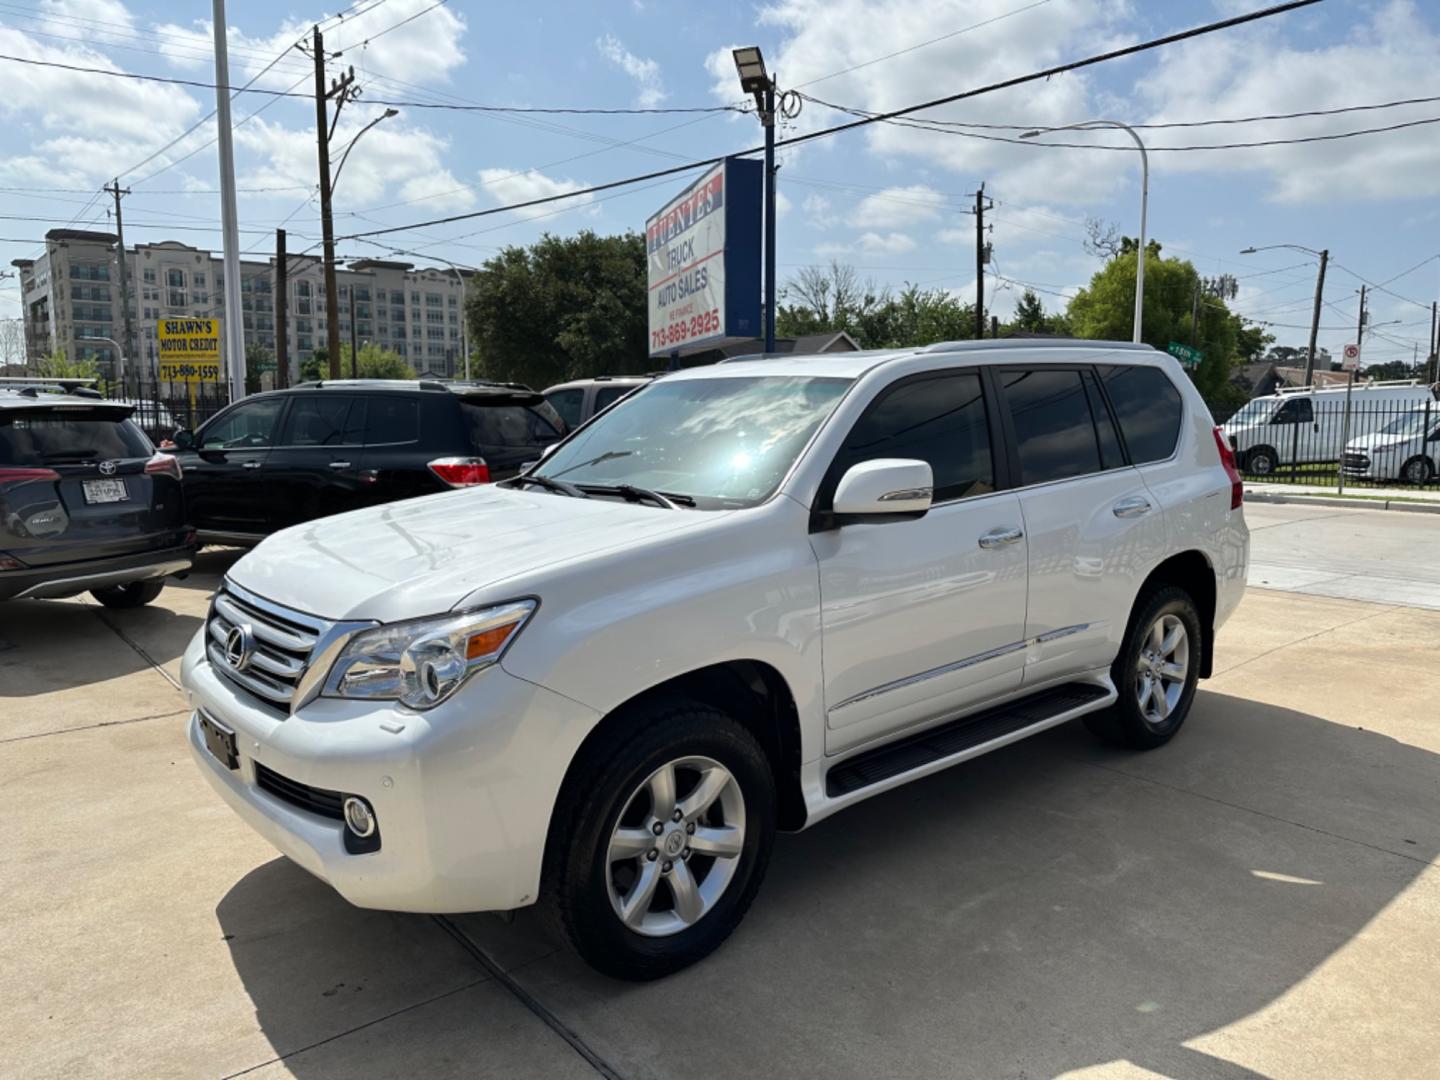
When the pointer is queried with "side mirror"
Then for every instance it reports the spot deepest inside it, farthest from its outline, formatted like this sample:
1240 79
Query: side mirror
184 439
885 487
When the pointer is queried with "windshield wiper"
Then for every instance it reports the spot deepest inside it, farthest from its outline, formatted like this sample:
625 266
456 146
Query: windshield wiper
559 486
632 493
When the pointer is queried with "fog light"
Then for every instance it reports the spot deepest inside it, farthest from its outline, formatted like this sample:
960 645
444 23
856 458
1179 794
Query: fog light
358 817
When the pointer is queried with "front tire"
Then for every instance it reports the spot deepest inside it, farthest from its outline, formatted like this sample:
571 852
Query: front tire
1156 671
1262 461
1417 471
660 840
132 594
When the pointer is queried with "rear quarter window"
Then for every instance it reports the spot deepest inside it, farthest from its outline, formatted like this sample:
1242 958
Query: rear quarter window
60 438
1149 410
509 425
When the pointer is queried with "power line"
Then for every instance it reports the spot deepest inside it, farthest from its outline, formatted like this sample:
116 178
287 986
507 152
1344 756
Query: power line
248 89
1074 65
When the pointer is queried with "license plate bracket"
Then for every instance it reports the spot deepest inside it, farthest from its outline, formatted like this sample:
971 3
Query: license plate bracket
220 741
105 491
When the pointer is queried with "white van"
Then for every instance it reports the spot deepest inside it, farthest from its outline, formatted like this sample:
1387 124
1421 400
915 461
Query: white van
1307 424
1407 448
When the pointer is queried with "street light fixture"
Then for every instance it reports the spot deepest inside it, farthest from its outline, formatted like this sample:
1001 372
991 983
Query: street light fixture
1091 125
1324 257
754 79
346 156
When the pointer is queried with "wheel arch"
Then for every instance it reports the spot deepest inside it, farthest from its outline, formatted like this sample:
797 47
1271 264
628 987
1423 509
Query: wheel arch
756 695
1192 571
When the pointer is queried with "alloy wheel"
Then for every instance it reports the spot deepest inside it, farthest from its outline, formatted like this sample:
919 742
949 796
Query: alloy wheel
1161 669
675 847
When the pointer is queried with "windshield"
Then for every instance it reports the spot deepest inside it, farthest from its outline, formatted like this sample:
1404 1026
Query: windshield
1410 424
1254 412
725 442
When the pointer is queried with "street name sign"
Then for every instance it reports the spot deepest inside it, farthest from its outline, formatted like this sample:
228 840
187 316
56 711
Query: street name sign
1188 355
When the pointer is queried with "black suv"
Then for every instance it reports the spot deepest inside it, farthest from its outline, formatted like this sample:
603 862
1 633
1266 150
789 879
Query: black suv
86 502
288 456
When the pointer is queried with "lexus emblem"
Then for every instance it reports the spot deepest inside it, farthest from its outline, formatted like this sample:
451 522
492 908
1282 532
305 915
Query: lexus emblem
107 468
239 646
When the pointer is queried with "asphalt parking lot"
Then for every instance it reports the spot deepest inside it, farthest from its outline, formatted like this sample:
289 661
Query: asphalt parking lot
1258 899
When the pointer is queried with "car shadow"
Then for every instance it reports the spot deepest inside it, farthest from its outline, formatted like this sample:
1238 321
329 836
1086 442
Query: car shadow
1049 907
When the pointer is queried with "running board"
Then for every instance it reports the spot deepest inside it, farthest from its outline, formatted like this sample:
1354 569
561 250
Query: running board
1045 709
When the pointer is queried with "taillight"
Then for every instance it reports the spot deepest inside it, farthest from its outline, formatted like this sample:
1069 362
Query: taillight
461 471
1227 459
9 476
163 465
9 562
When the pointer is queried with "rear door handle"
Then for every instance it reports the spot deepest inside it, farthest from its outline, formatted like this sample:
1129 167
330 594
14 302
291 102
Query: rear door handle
251 465
997 538
1133 507
339 464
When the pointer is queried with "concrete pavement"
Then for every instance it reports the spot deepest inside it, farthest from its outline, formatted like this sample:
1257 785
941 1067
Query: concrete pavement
1257 899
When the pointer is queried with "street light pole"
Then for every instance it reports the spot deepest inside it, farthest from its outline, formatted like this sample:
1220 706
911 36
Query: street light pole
1090 125
234 327
755 80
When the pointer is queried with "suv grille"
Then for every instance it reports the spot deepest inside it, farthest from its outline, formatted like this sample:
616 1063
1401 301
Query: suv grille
283 643
328 804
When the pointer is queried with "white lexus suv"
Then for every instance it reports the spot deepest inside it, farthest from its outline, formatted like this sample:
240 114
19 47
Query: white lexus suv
743 598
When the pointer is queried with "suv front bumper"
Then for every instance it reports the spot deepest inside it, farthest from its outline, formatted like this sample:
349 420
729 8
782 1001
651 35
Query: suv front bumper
462 794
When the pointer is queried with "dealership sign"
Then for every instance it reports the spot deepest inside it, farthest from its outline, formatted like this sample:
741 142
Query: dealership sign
703 255
189 349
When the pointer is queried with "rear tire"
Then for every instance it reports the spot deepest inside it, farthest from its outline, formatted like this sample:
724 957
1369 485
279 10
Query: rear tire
132 594
1156 671
1417 471
601 864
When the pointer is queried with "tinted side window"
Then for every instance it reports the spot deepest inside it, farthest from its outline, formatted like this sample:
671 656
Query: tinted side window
1054 431
1148 406
245 426
1110 454
1295 411
391 420
608 395
504 425
324 420
568 404
940 420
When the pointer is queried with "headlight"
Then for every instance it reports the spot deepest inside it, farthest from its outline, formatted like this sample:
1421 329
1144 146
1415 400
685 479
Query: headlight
422 662
1384 449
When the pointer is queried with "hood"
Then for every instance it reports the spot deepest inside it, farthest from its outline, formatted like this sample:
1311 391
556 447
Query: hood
423 556
1378 439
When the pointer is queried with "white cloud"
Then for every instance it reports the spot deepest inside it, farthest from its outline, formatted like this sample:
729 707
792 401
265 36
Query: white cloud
898 206
869 243
782 204
817 211
30 170
506 186
646 73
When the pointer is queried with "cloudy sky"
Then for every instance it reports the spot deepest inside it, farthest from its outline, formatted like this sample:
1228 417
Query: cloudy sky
888 199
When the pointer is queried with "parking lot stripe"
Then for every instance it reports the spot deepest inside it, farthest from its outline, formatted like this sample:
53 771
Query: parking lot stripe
505 979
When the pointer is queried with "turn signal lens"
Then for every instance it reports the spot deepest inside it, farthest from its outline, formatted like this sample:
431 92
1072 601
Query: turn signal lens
461 471
1227 459
489 642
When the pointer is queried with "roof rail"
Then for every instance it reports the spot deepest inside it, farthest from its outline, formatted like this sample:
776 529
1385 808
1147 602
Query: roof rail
984 344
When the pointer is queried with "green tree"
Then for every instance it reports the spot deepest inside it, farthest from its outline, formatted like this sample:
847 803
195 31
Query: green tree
317 366
376 362
1105 309
1031 317
59 366
831 299
564 308
258 360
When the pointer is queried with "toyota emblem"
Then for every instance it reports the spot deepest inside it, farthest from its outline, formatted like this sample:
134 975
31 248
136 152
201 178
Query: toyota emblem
107 468
239 646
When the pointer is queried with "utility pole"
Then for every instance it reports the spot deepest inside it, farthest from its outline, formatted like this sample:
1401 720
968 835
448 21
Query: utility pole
1194 312
982 256
234 328
1434 343
769 121
1360 325
282 313
340 90
127 351
1315 318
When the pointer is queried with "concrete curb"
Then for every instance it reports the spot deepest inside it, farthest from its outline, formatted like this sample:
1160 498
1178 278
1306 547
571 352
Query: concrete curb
1341 501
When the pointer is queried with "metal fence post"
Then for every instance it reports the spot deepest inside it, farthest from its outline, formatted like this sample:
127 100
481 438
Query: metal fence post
1344 437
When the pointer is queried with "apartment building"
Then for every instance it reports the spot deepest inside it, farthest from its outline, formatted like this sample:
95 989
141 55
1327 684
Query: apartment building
71 297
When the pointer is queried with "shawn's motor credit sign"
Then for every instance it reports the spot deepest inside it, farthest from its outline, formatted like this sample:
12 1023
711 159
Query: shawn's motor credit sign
189 349
703 253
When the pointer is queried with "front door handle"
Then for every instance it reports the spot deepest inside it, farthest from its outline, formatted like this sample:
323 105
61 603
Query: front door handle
997 538
1133 507
339 464
251 465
